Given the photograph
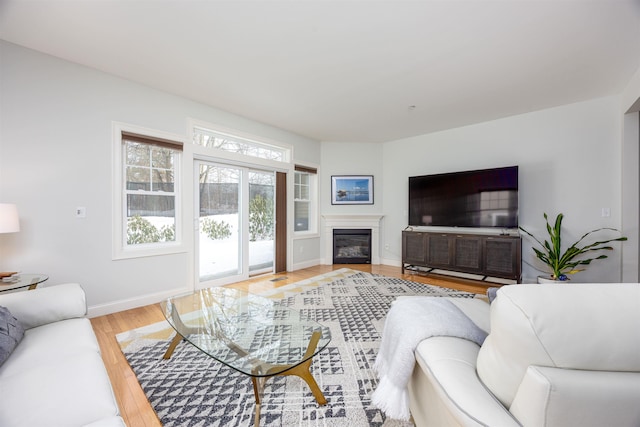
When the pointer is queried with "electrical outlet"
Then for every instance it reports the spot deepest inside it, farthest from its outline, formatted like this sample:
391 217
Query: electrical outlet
81 212
606 212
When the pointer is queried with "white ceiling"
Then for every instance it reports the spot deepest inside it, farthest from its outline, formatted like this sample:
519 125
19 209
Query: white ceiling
348 70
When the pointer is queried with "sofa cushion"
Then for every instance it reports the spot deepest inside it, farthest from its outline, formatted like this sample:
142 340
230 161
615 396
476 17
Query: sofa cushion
11 333
475 309
74 391
571 326
49 343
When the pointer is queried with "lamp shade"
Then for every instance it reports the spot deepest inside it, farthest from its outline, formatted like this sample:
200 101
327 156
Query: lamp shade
9 218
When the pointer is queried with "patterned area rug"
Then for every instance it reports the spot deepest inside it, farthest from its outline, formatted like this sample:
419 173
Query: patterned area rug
192 389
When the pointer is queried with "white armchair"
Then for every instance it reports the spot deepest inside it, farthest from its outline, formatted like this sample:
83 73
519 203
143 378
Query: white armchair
556 355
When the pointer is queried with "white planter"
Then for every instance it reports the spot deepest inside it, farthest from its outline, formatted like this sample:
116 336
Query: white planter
548 279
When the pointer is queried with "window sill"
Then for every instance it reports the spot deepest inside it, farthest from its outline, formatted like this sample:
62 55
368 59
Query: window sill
148 251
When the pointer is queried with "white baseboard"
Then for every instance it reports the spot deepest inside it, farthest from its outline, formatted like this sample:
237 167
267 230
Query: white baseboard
306 264
140 301
391 262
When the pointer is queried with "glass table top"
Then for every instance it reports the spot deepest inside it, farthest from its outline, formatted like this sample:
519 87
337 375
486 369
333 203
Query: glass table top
246 332
20 280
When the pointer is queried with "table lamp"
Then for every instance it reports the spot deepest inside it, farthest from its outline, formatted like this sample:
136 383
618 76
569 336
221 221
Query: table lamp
9 218
8 224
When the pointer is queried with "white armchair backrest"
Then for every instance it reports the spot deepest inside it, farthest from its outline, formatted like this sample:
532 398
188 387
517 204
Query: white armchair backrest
574 326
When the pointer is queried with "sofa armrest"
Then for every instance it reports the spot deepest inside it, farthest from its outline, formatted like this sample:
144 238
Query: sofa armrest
46 305
563 397
445 389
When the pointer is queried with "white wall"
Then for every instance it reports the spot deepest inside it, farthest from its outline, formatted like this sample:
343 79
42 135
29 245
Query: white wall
631 94
569 159
351 158
631 178
631 196
55 155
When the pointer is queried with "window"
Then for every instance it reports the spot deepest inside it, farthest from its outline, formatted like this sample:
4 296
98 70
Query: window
237 144
147 203
304 199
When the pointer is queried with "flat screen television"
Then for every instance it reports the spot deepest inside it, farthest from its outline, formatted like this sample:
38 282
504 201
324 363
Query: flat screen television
478 198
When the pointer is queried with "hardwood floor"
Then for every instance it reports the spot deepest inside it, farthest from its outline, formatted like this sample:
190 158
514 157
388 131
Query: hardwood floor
135 408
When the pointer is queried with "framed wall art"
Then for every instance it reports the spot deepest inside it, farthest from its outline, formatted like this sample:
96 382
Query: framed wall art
352 189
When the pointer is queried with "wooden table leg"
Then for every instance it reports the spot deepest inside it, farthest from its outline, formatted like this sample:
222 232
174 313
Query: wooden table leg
303 370
174 343
258 385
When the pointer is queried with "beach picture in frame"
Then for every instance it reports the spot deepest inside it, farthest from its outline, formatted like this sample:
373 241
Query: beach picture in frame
352 189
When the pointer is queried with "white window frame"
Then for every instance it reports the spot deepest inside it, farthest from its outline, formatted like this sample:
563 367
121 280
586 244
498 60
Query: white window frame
313 203
233 156
120 248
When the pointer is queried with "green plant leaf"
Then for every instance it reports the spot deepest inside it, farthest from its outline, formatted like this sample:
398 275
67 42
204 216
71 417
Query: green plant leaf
565 262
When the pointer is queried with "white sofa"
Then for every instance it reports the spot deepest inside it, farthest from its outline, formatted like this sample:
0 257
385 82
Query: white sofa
55 376
556 355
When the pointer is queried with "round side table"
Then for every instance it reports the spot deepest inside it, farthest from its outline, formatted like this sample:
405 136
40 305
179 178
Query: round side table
18 281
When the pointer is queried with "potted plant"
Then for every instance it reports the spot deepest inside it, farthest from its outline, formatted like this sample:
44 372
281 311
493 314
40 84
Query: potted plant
564 263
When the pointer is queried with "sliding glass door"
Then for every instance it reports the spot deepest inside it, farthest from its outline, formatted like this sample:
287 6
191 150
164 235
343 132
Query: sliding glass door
261 221
235 223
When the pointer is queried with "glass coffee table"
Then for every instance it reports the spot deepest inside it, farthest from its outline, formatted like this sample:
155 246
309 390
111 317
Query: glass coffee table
248 333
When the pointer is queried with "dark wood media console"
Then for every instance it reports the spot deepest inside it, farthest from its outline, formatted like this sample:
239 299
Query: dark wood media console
486 255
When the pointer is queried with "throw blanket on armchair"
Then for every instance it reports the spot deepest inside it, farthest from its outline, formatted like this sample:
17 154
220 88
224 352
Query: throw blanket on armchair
409 321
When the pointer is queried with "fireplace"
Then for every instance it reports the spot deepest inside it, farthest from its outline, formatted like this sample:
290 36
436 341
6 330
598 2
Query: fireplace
354 222
351 246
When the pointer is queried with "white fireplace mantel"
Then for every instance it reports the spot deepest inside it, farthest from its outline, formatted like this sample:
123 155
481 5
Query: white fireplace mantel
355 221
